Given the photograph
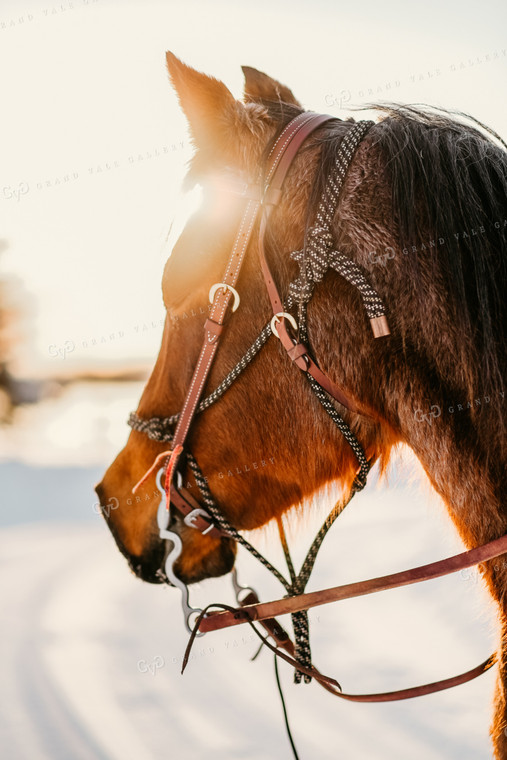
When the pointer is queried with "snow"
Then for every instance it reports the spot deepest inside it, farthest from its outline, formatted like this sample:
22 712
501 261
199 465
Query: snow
92 656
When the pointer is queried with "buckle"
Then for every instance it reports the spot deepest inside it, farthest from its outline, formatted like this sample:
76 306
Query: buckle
192 516
282 315
224 286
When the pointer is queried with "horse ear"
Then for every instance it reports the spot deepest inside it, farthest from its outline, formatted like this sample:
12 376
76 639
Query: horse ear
206 102
259 86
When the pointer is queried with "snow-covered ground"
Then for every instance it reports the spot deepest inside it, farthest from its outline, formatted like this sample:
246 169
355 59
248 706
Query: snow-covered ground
91 656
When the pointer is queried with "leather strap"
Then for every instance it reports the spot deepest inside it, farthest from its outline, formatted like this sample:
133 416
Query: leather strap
251 610
284 648
285 150
213 325
331 685
301 356
217 620
299 353
194 514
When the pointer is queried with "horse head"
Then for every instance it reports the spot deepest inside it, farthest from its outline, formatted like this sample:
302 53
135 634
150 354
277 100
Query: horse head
266 445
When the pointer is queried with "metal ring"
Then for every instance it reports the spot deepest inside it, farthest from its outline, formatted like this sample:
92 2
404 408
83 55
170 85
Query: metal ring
225 286
278 317
240 591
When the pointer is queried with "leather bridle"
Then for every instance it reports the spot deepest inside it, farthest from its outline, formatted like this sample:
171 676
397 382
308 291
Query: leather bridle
260 199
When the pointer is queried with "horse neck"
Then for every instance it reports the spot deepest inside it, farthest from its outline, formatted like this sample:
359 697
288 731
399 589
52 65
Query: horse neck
425 382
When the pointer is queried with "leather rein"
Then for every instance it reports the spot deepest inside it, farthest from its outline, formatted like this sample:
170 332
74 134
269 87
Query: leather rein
260 200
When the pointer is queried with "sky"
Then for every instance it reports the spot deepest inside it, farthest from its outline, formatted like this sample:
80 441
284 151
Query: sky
94 145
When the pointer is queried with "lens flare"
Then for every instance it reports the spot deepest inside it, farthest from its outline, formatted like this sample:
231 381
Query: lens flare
187 204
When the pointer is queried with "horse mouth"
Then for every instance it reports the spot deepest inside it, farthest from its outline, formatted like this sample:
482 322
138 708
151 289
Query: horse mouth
147 567
151 566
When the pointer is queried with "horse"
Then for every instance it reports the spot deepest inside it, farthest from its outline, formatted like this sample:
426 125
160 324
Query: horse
422 214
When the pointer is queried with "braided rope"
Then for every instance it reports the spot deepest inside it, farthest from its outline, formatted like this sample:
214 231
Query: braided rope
225 525
301 627
155 428
349 270
364 467
159 428
299 581
327 405
302 650
309 561
317 255
300 622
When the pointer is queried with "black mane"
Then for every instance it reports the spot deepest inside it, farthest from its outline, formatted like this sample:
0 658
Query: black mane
448 175
449 181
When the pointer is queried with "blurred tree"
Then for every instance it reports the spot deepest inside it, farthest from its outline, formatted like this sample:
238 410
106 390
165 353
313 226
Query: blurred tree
11 393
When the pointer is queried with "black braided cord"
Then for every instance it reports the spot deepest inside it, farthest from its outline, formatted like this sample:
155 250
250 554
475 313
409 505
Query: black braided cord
159 428
300 619
298 582
298 585
317 255
225 525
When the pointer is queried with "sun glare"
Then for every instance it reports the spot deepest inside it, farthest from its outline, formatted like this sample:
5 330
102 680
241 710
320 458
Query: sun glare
187 204
216 195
